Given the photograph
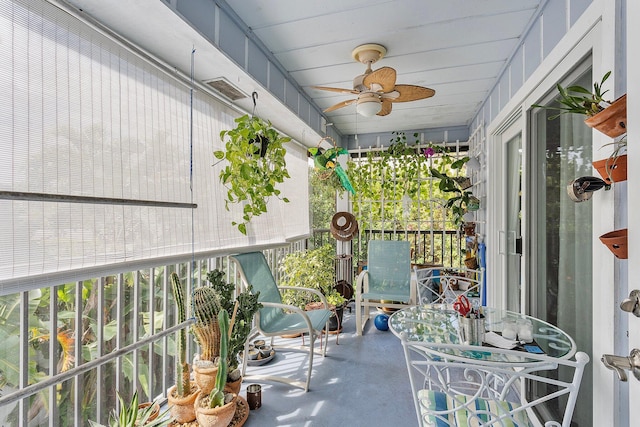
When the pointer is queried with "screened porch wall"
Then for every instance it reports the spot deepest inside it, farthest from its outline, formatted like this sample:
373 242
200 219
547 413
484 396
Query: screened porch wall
91 120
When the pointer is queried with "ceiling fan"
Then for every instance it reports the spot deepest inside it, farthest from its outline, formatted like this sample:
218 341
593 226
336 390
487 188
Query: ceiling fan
376 90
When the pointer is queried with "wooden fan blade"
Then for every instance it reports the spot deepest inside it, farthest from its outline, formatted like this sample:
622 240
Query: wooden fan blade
412 93
385 77
336 89
340 105
386 107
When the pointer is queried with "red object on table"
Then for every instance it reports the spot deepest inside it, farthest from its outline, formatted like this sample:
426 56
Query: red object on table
462 305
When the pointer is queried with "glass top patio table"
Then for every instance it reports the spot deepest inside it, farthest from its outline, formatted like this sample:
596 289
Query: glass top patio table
438 324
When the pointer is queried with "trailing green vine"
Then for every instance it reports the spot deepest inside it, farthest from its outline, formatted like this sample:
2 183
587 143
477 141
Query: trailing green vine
256 164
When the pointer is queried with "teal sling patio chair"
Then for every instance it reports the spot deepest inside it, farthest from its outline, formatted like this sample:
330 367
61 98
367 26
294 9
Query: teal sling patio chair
387 280
276 318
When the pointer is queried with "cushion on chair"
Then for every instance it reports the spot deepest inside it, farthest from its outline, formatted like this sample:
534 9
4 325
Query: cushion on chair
434 403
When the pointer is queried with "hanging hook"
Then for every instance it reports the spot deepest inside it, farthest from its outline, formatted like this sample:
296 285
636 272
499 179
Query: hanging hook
254 95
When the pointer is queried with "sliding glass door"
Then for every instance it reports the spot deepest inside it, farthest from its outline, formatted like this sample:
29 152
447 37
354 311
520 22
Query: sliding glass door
561 282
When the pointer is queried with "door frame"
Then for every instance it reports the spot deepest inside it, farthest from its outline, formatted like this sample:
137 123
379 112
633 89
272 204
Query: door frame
586 38
497 218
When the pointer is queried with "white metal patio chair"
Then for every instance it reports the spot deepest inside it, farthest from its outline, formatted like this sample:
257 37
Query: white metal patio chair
387 280
438 285
451 390
276 318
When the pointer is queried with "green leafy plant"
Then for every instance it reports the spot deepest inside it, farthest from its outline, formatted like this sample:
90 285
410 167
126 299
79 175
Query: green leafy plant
580 100
459 200
245 306
253 171
132 415
335 299
313 269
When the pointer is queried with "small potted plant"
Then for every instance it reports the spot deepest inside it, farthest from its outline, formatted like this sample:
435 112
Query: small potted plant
608 117
206 306
461 201
216 408
252 173
183 394
133 414
614 167
240 310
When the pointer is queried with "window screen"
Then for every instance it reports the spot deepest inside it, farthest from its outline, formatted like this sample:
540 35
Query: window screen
85 117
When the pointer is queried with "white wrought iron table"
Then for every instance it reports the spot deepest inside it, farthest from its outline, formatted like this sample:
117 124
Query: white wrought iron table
437 324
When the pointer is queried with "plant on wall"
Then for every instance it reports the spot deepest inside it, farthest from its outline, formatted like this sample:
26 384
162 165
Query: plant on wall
580 100
256 164
608 117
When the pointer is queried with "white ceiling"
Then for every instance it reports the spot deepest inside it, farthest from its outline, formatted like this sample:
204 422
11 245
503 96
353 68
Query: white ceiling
456 47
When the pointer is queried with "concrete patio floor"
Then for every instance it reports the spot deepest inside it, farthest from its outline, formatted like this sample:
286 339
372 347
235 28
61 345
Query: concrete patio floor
362 381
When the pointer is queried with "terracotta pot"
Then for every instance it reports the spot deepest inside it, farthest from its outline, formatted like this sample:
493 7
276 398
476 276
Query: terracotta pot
612 121
182 409
471 263
616 241
469 228
214 417
612 169
233 386
205 377
155 412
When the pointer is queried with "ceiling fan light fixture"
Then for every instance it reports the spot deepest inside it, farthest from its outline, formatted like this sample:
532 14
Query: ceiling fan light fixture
369 53
368 107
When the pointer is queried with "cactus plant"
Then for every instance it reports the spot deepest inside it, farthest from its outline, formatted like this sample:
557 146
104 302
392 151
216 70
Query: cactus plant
216 398
183 384
247 306
206 306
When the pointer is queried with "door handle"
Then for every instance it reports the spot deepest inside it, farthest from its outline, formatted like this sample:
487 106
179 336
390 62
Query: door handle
620 364
519 245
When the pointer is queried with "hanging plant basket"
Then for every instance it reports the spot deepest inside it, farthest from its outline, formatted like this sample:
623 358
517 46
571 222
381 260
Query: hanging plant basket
260 143
612 121
473 204
255 166
616 241
471 263
612 169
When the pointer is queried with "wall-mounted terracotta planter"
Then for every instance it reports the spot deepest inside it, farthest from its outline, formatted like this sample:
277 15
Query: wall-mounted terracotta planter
612 121
612 169
616 241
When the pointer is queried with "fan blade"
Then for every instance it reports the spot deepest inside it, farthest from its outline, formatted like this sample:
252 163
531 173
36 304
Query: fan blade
386 108
336 89
385 77
412 93
340 105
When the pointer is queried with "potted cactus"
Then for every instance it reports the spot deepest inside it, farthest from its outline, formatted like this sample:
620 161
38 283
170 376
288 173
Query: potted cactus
206 306
216 408
183 394
240 310
208 302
